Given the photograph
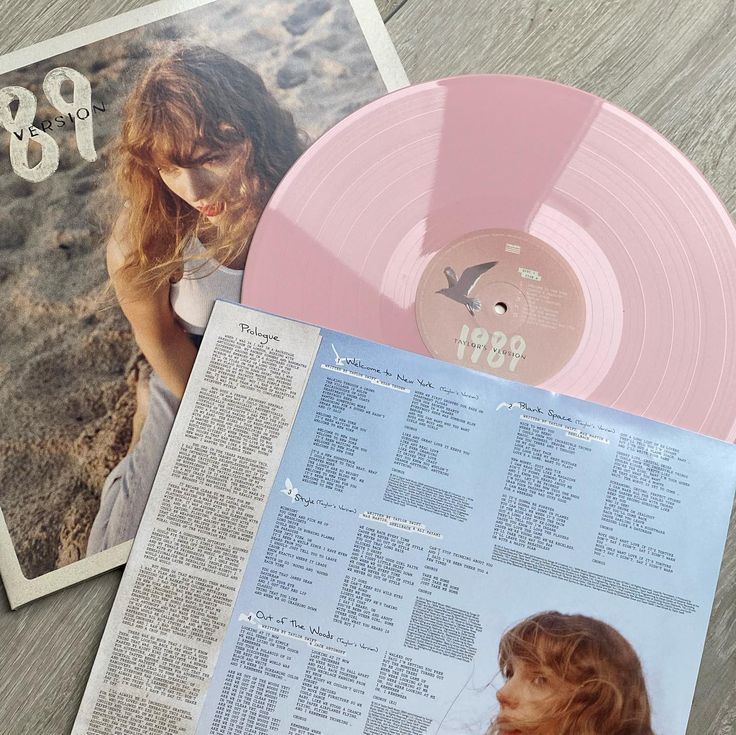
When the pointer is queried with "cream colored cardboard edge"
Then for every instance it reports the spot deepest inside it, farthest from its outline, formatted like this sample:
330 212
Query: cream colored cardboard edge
20 589
369 18
379 42
96 32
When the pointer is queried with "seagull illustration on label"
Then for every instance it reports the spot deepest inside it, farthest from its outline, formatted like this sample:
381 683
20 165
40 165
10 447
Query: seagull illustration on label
459 289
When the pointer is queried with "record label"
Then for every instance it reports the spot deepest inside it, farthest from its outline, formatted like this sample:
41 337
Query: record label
501 301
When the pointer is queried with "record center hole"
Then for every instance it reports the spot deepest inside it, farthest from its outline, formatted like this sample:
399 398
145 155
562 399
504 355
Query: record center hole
500 308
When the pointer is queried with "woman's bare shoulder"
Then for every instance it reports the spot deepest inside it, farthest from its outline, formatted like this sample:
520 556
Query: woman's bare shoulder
120 245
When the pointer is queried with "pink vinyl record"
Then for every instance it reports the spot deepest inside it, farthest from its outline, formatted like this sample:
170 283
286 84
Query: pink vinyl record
519 227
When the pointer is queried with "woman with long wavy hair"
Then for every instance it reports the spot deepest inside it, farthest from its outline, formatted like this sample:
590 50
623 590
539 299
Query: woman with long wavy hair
202 147
569 675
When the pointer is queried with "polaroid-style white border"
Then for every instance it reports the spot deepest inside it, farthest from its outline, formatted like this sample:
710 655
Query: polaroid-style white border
94 32
19 588
379 42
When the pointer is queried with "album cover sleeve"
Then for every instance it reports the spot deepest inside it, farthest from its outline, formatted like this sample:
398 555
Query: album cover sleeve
101 132
346 537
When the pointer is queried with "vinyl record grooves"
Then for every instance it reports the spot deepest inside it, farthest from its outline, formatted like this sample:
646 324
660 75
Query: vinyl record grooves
520 227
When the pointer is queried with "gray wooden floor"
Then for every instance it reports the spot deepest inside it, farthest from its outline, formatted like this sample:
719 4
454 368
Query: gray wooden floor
672 62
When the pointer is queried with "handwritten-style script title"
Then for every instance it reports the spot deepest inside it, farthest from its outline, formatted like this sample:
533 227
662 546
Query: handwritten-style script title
18 107
264 337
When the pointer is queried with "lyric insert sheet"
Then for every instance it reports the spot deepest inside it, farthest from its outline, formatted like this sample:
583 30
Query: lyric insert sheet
341 534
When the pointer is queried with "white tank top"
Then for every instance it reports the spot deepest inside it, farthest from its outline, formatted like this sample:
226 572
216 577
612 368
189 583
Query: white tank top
193 295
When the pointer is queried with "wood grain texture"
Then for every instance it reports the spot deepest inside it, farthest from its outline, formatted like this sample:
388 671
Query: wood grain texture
46 651
672 62
23 25
389 8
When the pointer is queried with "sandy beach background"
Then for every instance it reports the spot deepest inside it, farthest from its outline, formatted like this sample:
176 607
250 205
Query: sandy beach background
67 390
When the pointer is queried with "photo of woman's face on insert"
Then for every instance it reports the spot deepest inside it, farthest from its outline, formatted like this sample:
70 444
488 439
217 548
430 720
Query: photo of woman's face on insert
569 675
